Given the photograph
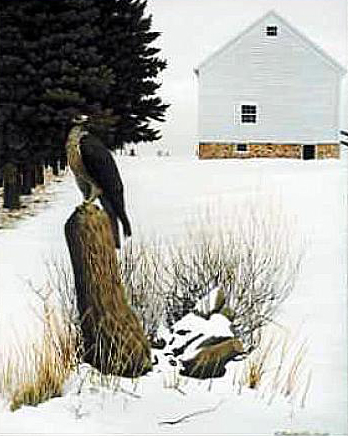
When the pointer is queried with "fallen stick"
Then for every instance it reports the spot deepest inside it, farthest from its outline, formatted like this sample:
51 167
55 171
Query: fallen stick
191 415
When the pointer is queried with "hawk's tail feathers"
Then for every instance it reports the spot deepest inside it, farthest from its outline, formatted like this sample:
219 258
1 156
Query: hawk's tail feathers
114 215
127 231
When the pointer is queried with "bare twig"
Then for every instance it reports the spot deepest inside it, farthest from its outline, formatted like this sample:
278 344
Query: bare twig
191 415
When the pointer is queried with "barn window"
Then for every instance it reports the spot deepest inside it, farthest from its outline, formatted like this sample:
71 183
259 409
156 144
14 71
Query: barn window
242 147
271 30
248 113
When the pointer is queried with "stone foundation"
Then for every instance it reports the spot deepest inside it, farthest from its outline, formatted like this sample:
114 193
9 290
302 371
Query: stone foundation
325 151
293 151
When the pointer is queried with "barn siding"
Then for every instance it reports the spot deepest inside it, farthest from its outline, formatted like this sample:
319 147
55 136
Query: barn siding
296 90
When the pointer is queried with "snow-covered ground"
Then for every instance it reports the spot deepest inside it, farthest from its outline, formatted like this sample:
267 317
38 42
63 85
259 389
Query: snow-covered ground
164 195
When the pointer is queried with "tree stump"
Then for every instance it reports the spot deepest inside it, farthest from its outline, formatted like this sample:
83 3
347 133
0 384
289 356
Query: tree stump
55 166
28 182
12 186
39 174
114 340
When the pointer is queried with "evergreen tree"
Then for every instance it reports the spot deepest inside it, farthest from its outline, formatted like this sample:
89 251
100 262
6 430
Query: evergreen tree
69 73
64 57
14 87
14 82
127 47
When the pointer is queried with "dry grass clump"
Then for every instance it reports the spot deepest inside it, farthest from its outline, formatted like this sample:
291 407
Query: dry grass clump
38 372
277 368
173 380
256 366
142 276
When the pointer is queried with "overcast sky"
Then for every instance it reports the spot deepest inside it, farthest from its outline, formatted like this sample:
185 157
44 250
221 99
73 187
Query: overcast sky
193 29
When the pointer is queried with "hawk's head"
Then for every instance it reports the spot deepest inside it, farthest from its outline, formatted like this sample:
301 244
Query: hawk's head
77 131
80 119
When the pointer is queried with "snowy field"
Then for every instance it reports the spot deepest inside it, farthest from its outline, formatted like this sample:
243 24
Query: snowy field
164 195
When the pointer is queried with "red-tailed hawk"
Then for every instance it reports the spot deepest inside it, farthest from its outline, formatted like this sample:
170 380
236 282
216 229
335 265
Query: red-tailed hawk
96 174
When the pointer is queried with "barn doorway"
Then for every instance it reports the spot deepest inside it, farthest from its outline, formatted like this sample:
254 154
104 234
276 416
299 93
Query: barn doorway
308 152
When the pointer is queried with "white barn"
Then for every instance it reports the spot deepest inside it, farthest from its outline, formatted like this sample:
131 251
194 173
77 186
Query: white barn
269 92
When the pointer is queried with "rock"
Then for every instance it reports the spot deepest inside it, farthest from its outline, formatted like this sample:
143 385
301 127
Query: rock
214 340
210 362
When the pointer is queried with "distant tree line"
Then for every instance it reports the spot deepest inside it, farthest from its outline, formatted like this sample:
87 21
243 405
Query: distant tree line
64 57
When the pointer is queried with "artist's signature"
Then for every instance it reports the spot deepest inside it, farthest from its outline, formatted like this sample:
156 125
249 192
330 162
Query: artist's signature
299 433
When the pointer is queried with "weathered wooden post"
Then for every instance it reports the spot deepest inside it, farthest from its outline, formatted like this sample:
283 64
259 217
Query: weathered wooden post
113 337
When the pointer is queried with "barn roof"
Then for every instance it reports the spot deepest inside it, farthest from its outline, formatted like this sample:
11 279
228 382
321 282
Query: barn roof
272 14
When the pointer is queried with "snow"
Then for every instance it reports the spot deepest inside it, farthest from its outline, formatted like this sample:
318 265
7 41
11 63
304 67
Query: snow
163 197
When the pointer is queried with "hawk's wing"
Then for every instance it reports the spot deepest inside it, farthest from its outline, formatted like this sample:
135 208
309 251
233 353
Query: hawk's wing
102 169
101 166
